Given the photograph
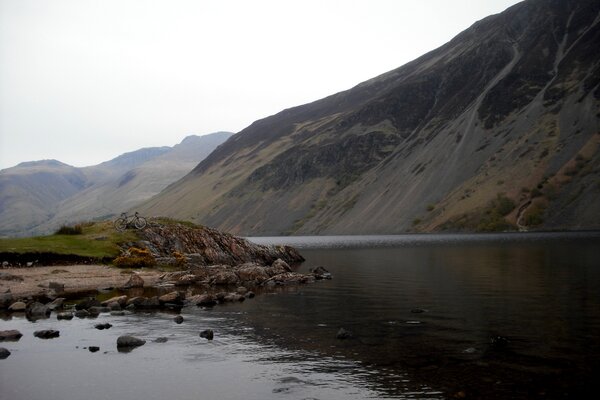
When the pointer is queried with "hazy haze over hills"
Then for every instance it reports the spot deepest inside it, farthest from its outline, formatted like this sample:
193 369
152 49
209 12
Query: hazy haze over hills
37 197
496 129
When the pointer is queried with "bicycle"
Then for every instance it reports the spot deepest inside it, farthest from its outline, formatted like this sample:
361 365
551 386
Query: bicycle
126 221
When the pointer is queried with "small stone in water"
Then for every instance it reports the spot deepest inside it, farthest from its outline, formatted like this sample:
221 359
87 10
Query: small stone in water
207 334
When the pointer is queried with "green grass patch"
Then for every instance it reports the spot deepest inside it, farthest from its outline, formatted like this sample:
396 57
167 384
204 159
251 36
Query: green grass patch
97 240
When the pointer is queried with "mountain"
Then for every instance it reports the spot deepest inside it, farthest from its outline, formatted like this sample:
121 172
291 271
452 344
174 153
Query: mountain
497 129
37 197
27 190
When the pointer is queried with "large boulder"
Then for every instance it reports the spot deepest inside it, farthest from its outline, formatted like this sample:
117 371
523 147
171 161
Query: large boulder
88 303
279 267
6 299
203 300
37 310
224 278
251 273
172 297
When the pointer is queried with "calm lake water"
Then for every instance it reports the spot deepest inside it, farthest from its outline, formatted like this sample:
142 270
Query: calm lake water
432 317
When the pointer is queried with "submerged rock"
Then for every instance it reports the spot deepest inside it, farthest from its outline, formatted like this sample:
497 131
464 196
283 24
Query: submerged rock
4 353
320 273
161 339
207 334
129 342
93 349
103 326
82 313
343 334
10 336
46 334
178 319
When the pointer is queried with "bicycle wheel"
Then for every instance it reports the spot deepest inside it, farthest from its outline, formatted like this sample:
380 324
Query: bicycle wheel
121 224
140 223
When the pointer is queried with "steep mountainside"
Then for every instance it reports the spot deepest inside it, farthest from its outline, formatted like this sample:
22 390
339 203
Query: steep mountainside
497 129
37 197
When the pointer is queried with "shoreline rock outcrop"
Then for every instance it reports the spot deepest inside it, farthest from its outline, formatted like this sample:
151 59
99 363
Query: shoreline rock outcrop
205 246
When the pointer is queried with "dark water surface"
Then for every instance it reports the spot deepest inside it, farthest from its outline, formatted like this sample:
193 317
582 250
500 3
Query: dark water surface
423 311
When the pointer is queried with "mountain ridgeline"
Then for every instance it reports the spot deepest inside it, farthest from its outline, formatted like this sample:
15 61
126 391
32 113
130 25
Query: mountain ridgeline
496 130
37 197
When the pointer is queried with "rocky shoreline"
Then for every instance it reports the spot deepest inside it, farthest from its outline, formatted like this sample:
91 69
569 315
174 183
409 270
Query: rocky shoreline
219 283
190 266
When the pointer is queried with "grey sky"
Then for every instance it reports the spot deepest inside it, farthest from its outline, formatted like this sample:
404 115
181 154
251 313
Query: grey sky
83 81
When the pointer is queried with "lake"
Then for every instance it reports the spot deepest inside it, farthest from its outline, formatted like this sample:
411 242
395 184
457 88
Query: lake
430 316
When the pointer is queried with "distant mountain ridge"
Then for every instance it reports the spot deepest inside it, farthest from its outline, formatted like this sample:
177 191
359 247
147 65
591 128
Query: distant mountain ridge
497 129
38 196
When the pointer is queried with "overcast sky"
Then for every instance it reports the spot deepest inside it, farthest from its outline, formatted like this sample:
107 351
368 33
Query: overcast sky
83 81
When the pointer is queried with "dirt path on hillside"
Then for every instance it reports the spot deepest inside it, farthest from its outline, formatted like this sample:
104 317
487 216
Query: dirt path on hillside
33 281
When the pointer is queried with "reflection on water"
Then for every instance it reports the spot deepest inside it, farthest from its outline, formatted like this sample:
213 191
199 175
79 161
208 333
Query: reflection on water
432 309
422 312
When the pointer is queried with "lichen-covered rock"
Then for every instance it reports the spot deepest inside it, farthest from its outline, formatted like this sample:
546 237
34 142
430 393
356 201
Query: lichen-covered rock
279 267
287 278
251 273
203 300
180 278
224 278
